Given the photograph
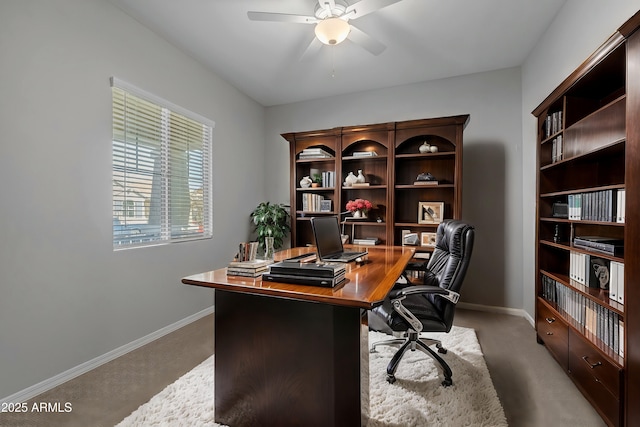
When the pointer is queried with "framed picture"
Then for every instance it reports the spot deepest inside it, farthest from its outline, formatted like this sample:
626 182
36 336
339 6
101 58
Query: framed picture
325 205
430 212
428 240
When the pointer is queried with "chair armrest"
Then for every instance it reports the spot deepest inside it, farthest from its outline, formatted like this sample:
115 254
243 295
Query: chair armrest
424 289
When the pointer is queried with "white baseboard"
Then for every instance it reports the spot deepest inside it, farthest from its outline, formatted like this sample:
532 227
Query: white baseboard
502 310
72 373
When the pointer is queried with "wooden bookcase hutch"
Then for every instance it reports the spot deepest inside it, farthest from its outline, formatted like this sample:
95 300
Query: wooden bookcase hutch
391 168
588 149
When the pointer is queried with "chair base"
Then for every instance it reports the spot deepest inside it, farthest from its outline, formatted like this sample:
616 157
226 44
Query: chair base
413 341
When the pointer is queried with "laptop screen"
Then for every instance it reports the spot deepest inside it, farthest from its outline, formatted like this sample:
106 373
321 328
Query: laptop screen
326 231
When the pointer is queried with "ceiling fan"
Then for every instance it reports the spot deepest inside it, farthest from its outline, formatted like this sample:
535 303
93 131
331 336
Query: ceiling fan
332 22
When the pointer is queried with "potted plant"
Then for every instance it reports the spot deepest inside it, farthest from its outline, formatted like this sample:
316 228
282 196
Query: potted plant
317 180
271 220
359 207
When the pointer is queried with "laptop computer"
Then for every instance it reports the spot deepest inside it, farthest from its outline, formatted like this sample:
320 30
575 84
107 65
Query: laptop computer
326 231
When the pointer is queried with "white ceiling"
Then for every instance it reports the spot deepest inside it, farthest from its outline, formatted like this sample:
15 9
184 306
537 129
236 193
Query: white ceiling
425 39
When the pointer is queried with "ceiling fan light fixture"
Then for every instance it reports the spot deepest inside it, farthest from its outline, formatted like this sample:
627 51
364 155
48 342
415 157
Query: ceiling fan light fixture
332 31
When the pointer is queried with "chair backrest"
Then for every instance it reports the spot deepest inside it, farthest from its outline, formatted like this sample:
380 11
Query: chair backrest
450 260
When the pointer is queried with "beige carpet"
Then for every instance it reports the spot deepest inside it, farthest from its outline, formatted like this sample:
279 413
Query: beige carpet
415 399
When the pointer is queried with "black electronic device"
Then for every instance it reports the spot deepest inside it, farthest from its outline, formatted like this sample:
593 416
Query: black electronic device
306 269
560 210
324 282
326 232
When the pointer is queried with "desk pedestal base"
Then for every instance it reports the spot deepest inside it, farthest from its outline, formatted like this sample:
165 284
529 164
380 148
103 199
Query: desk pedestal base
285 362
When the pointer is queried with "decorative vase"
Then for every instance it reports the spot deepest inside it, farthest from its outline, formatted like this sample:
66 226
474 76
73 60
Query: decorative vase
433 149
359 214
360 179
424 148
305 182
350 180
269 249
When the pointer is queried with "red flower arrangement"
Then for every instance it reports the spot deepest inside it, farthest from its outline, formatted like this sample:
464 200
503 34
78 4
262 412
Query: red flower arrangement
359 205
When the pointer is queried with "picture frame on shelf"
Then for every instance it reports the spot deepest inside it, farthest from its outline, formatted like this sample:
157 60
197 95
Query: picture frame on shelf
325 205
430 212
409 238
428 240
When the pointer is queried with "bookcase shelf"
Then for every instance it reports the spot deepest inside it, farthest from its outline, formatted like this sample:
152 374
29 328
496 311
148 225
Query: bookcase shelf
389 157
588 150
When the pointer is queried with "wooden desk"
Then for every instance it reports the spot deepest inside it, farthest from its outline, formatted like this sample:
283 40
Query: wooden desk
298 355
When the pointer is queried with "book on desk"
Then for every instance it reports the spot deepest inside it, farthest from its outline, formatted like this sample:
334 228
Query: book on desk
325 274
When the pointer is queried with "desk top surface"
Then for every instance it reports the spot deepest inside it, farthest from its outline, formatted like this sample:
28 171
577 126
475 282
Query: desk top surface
366 284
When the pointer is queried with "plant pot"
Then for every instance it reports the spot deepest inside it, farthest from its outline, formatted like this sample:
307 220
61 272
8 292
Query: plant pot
359 214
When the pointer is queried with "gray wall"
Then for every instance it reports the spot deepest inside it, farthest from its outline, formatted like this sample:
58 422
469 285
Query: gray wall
65 296
492 179
579 29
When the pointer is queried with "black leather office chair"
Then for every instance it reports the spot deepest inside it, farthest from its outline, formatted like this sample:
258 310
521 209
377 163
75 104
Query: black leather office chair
430 307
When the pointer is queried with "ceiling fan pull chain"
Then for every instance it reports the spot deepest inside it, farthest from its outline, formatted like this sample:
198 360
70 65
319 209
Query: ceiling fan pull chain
333 61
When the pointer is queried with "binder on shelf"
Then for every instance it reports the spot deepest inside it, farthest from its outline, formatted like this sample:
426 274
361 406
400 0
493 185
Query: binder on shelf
616 288
620 204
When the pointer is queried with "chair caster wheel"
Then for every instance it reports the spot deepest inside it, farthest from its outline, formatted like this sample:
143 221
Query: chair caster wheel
442 350
447 382
391 379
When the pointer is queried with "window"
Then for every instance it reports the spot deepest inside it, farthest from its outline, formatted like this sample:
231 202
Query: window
161 170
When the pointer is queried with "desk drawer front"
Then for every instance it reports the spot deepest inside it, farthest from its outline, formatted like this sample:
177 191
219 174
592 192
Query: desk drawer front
588 361
554 332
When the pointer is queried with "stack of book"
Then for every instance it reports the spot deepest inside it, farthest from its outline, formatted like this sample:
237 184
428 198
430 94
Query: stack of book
367 241
364 154
314 153
326 275
600 244
253 268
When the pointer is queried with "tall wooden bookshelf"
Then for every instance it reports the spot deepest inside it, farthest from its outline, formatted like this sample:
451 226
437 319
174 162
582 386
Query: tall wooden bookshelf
588 181
389 157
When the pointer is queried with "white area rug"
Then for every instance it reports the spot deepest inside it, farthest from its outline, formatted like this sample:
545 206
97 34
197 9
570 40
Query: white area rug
415 399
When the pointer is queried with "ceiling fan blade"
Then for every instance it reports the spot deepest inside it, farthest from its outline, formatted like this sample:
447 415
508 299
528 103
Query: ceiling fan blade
366 41
312 49
329 5
365 7
281 17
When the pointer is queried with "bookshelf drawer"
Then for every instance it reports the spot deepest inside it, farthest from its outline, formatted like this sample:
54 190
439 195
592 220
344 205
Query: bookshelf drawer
598 382
554 332
588 363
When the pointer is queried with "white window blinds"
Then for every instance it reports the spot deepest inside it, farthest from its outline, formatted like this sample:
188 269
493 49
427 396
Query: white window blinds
161 170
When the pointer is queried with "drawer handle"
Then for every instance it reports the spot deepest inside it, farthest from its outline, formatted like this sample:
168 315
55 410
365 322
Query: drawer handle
549 333
550 319
591 365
